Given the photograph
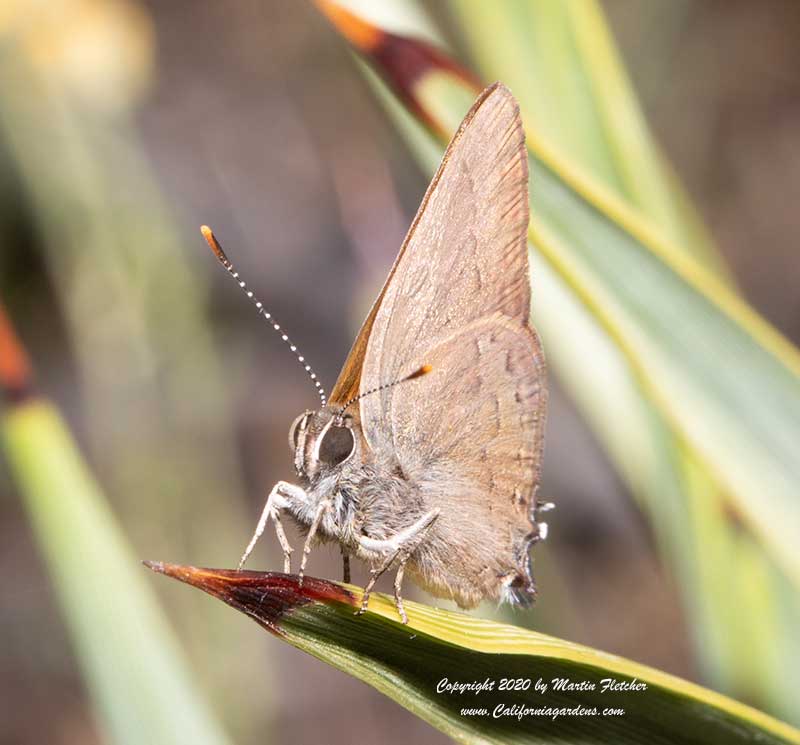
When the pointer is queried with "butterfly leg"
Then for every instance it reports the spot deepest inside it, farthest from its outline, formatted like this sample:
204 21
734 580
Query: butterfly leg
283 540
542 526
374 576
345 567
398 583
322 508
280 496
407 539
402 545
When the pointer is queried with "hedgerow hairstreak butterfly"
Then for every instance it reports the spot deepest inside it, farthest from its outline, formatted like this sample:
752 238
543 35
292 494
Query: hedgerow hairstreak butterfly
427 455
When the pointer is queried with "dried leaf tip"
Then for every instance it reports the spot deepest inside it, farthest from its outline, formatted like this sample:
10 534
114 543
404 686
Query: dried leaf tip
264 596
403 62
205 579
16 376
362 35
182 573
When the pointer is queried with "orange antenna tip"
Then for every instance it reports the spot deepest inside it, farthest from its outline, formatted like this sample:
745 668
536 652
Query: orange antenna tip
424 370
418 373
213 243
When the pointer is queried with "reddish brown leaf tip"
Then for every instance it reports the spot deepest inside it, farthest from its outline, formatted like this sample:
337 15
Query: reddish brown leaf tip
16 378
401 61
264 596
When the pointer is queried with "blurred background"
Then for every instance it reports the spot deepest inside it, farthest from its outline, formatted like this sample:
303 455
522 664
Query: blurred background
126 125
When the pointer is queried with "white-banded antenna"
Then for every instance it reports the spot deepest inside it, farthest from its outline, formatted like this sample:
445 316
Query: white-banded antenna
418 373
212 241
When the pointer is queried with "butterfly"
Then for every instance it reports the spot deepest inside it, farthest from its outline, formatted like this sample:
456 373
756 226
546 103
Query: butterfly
427 455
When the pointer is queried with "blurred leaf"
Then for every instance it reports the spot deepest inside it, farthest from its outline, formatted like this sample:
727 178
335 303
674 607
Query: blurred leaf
133 299
560 60
132 666
408 663
130 297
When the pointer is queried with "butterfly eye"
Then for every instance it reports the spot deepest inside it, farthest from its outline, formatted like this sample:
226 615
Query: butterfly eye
337 445
294 430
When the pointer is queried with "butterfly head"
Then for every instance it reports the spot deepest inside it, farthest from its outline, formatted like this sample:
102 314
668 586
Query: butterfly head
330 438
322 441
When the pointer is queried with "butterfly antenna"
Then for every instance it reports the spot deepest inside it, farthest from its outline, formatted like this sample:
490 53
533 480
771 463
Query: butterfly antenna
212 241
418 373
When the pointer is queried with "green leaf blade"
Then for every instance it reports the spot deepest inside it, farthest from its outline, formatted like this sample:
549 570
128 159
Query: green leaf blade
131 662
414 663
705 358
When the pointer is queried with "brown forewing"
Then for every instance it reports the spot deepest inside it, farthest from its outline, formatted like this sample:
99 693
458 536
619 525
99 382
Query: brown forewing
495 97
461 281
